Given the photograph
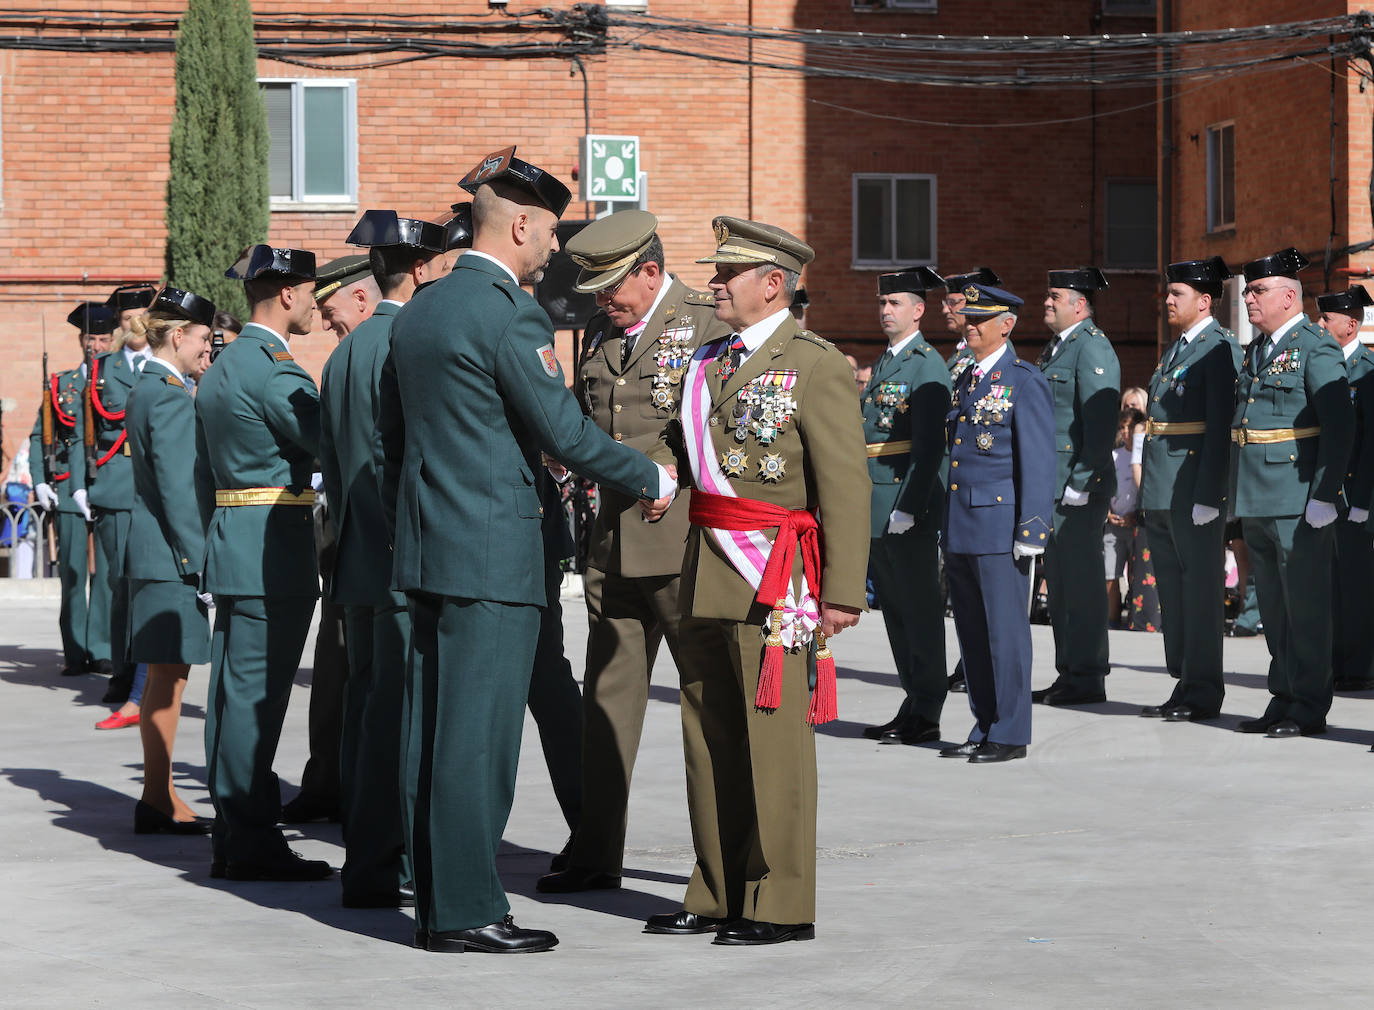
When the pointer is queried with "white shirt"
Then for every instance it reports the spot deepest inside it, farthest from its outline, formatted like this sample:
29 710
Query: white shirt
1190 334
658 299
1062 336
488 256
135 359
1351 348
169 366
391 301
755 336
1283 329
274 333
896 349
984 365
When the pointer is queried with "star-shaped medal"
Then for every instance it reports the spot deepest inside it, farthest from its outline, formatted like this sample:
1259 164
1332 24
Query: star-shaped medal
772 468
733 462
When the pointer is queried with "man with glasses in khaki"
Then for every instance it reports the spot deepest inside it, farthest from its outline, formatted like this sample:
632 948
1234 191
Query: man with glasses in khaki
1291 434
638 345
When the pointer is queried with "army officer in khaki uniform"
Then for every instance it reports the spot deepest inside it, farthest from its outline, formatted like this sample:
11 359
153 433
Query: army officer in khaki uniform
770 428
630 383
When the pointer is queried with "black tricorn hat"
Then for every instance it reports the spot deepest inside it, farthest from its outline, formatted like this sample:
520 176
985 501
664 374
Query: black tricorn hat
504 166
459 227
1078 279
263 260
131 296
384 227
917 281
800 299
1195 272
1284 263
186 304
1351 302
985 276
92 317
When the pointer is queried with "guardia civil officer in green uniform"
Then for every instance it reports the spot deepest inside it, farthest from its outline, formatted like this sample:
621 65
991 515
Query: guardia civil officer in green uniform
1085 380
470 396
110 481
1352 640
57 457
404 253
1292 430
257 436
647 326
168 626
771 430
904 406
1183 490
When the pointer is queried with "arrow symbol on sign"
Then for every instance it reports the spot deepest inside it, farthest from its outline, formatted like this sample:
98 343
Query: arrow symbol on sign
627 186
599 150
598 185
627 150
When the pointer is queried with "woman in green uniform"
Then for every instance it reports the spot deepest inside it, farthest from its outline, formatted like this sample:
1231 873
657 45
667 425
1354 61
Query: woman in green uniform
168 625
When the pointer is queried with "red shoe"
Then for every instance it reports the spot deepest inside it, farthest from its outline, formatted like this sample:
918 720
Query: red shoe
117 721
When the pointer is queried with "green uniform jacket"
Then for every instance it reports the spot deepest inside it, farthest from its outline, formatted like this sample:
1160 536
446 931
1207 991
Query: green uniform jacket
1359 472
906 400
1085 381
111 486
1199 385
70 452
257 425
470 394
166 539
632 404
351 460
824 467
1301 384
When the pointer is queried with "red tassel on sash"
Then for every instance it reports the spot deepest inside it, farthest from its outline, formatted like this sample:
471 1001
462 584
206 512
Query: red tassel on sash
824 699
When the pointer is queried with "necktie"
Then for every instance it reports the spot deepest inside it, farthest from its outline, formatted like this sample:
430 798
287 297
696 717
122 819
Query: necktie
731 357
627 342
1049 350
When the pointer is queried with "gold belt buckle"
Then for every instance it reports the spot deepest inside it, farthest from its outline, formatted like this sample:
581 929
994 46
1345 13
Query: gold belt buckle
1240 436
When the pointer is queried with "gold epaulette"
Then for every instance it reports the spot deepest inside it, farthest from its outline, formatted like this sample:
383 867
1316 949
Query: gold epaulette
699 298
283 355
172 380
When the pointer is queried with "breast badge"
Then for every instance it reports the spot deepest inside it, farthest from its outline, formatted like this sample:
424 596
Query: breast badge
891 400
734 462
984 441
764 406
772 468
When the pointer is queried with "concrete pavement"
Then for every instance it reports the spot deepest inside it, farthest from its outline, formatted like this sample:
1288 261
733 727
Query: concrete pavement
1126 863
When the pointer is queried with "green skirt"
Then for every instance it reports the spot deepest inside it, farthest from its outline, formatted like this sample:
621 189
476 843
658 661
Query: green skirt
169 624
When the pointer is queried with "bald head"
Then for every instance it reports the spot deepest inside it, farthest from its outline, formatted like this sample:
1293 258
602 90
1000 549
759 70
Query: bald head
514 227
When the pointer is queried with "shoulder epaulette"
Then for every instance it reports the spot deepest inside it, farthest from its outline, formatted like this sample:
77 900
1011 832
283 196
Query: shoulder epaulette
699 298
815 338
172 380
283 355
505 286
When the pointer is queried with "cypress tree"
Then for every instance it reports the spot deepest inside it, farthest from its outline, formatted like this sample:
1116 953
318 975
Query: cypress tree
217 199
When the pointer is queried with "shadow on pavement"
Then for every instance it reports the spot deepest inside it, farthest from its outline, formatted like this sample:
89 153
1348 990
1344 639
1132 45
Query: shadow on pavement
521 867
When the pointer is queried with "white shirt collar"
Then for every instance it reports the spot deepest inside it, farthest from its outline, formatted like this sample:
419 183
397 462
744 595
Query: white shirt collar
1191 332
285 342
391 301
154 360
1064 334
983 364
1283 329
899 346
754 336
658 300
132 357
1351 348
488 256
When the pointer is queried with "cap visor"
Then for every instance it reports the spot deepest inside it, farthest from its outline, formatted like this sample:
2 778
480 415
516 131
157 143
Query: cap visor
590 281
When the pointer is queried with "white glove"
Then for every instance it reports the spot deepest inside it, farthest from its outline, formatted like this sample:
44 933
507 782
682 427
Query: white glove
1204 514
1319 514
206 599
1073 498
79 496
667 485
1360 516
1019 551
899 521
317 481
46 496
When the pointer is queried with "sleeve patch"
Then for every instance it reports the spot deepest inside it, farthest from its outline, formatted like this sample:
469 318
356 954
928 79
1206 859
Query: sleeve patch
549 360
283 355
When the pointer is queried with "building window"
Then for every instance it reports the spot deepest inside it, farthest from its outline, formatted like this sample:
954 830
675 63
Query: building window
1221 177
313 133
894 220
895 5
1136 7
1131 213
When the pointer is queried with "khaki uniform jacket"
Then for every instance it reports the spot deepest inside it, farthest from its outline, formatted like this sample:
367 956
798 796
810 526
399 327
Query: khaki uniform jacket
825 467
632 404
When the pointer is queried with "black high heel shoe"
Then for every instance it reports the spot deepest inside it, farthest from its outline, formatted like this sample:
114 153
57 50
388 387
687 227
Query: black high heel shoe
149 820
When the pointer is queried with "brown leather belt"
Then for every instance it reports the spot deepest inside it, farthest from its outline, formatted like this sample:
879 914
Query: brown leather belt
1263 436
229 497
897 448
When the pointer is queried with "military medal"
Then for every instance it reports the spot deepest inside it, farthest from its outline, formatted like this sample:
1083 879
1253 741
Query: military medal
733 462
662 398
766 405
985 441
772 468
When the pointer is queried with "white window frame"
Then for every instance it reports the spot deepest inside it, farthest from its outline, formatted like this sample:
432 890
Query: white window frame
1214 222
892 178
299 199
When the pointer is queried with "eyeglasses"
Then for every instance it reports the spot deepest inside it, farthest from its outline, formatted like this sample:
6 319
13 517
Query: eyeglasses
1255 290
611 291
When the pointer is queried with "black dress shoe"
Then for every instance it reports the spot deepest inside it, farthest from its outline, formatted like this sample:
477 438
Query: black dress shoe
559 862
75 670
749 933
575 879
1236 631
912 732
303 809
957 683
149 820
402 897
682 923
217 869
876 732
1291 727
290 866
116 694
503 937
990 753
1067 693
101 666
962 750
1260 725
1187 713
1154 711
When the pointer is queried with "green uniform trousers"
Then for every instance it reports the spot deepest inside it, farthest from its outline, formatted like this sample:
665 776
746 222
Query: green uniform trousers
328 684
1292 565
371 772
469 679
627 620
72 570
1352 656
751 778
1077 591
111 539
556 705
254 652
906 576
1190 574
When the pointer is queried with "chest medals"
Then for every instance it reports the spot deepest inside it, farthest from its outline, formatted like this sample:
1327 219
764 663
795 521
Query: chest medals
891 399
763 408
1289 361
991 408
671 356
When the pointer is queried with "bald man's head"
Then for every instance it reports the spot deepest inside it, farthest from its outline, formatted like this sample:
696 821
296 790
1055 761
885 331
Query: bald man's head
511 224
